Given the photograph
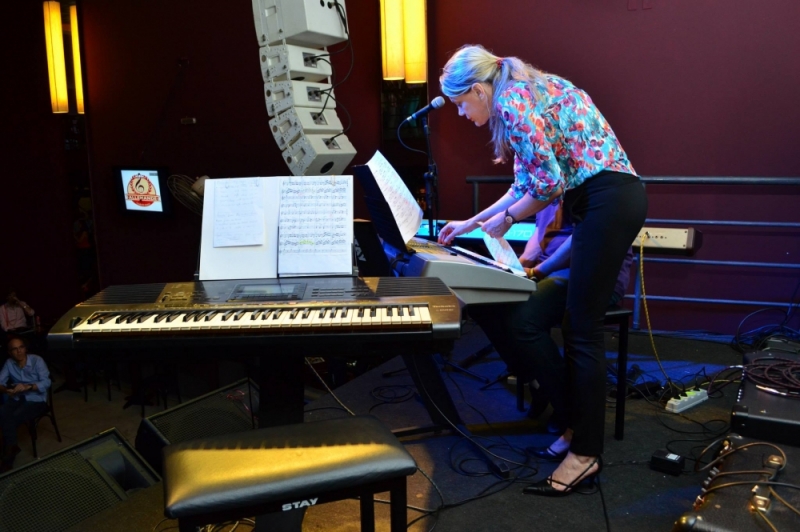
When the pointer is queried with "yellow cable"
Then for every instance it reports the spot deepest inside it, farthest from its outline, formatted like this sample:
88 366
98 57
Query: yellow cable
643 238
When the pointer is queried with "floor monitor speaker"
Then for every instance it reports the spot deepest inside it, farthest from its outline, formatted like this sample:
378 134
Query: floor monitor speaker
71 485
224 411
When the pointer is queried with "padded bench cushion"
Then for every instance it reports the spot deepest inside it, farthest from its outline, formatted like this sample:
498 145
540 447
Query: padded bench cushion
274 464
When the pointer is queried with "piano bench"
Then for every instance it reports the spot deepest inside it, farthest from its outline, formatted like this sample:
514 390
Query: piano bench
284 468
614 316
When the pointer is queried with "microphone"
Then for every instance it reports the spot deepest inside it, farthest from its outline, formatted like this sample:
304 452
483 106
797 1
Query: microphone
435 104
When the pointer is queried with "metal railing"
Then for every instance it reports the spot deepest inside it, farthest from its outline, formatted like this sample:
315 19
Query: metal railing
476 181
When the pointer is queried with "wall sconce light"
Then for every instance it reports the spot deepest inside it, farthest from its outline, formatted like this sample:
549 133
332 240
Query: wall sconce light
56 60
76 57
404 41
56 67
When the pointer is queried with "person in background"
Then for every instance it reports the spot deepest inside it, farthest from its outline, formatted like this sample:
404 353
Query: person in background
24 379
14 314
561 145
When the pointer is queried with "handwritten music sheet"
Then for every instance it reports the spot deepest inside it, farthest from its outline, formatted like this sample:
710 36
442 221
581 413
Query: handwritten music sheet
239 212
315 232
240 261
405 209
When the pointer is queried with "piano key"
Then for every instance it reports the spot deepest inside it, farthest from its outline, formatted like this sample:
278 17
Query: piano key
347 316
425 315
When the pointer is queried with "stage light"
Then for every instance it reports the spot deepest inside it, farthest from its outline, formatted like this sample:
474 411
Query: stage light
404 42
56 67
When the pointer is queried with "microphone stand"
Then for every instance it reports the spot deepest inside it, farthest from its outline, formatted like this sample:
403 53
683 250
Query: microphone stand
431 182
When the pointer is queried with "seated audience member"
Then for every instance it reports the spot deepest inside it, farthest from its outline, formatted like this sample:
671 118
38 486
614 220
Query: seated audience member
24 380
14 314
520 332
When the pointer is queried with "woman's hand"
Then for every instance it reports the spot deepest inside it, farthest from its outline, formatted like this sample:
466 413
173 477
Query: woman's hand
449 232
496 226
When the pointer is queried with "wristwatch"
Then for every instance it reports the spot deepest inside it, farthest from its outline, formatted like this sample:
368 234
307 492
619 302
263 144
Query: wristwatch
510 219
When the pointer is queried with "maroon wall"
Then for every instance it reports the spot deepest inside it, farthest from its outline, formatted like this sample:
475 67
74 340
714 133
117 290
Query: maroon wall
691 88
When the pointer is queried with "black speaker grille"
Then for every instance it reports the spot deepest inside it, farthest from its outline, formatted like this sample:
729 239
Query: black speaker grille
127 294
215 415
411 286
66 489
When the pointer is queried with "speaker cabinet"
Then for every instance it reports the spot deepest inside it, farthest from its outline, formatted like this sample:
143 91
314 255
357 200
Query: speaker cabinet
69 486
224 411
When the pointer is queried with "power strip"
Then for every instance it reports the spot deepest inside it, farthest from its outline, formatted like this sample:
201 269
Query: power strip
669 240
693 397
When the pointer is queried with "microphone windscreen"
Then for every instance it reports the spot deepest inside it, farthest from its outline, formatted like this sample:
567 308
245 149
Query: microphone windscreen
437 102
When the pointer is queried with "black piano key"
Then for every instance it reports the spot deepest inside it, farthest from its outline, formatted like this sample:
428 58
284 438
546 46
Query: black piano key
389 311
161 316
256 314
238 315
228 315
373 312
144 316
199 316
321 313
267 314
188 315
293 315
361 312
343 313
306 312
332 313
411 310
276 313
173 316
211 315
106 318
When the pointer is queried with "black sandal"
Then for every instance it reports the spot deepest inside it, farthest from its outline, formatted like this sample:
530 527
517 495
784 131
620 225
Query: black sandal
545 486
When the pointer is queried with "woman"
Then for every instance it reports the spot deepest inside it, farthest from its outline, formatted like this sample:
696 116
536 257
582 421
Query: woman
561 145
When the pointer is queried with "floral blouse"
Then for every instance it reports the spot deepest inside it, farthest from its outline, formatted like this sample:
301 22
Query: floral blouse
561 140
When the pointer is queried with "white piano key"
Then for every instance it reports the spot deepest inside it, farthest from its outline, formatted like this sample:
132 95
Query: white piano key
425 315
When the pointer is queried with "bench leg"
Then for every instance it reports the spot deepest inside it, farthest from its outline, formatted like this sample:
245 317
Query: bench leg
622 380
367 512
399 515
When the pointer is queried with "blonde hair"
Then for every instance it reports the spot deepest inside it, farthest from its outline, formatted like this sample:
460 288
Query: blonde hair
473 63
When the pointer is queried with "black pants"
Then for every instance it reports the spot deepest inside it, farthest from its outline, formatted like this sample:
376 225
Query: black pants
16 412
520 333
609 210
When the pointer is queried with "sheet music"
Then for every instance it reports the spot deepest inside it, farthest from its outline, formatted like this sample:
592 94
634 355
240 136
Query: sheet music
405 209
502 252
238 212
315 232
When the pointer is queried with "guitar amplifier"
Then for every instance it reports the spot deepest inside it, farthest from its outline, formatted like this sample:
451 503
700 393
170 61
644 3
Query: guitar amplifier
733 499
767 412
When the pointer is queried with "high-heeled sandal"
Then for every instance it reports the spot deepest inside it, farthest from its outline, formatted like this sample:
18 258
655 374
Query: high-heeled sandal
545 486
546 453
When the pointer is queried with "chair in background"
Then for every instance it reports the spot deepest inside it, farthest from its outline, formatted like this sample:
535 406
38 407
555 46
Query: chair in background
49 413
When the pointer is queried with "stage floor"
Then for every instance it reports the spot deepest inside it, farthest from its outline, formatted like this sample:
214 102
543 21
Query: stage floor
636 498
